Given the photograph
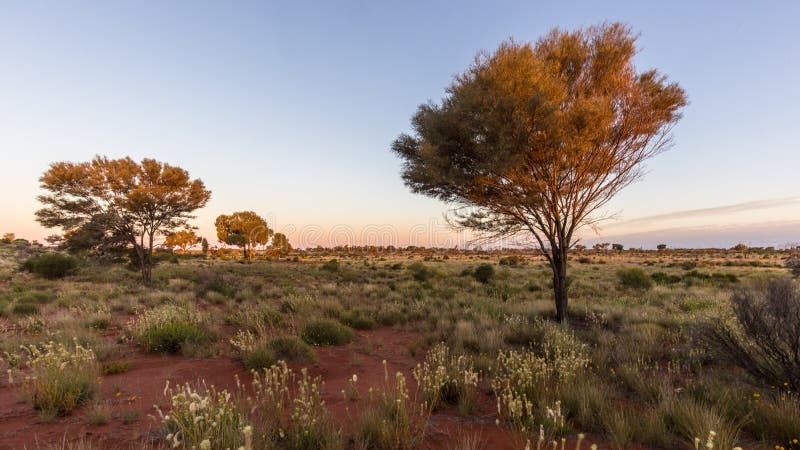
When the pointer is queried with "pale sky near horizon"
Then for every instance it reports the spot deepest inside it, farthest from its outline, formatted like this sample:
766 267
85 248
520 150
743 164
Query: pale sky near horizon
289 108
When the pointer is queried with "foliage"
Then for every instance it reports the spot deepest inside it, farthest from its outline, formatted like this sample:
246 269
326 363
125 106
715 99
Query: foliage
183 239
167 328
126 201
281 243
7 238
634 278
762 337
392 420
331 265
483 273
535 138
244 229
446 379
202 418
326 332
61 377
51 265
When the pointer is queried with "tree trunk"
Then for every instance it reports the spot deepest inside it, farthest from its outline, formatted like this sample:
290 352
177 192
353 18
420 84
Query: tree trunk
559 267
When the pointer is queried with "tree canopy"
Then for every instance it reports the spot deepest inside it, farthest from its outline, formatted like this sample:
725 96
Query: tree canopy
244 229
183 239
535 138
119 201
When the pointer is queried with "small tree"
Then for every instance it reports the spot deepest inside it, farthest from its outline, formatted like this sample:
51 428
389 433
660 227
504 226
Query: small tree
183 239
244 229
535 139
8 238
204 247
618 247
119 201
281 243
661 247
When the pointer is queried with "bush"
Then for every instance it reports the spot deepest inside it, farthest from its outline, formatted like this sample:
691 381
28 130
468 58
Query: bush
326 332
483 273
793 264
331 266
446 379
167 329
261 356
115 367
634 278
51 265
61 378
513 260
290 348
762 336
25 309
663 278
359 320
420 271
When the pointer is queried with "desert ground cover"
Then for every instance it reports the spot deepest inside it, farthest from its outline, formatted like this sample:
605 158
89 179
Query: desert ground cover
373 350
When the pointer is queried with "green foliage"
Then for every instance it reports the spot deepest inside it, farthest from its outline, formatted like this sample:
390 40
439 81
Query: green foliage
634 278
512 260
51 265
326 332
484 273
331 266
291 348
168 328
261 356
420 271
359 320
25 309
115 367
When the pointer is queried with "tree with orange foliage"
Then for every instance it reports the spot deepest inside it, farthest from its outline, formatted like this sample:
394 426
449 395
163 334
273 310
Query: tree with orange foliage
244 229
183 239
126 201
535 138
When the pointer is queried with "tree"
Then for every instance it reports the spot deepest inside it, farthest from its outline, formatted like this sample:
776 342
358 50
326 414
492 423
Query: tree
119 201
8 238
281 242
535 139
244 229
183 239
618 247
204 247
661 247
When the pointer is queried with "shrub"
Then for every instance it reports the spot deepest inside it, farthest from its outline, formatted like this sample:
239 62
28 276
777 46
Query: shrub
420 271
331 266
326 332
290 348
51 265
446 379
290 412
762 336
663 278
359 320
512 260
168 328
793 264
392 420
483 273
634 278
202 418
25 309
259 357
115 367
62 377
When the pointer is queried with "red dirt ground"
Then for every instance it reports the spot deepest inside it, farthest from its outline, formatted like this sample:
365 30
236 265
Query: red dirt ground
132 394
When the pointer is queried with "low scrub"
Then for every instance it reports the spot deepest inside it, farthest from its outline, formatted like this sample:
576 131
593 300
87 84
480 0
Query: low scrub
51 265
166 329
484 273
326 332
61 377
634 278
392 420
446 379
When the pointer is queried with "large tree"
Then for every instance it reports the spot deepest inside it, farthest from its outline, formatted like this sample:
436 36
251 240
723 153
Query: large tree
244 229
120 200
535 138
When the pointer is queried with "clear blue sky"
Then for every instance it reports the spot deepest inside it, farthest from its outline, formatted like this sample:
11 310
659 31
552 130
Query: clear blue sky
289 108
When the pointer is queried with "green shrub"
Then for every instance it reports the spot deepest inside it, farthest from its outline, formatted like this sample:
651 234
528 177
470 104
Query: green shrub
62 377
634 278
331 266
25 309
358 320
167 328
326 332
484 273
259 357
51 265
513 260
115 367
291 348
663 278
420 271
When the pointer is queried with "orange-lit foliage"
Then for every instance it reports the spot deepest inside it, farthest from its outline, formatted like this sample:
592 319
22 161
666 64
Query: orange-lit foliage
129 202
183 239
244 229
535 138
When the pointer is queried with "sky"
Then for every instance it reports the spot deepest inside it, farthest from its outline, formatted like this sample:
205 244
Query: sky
289 108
